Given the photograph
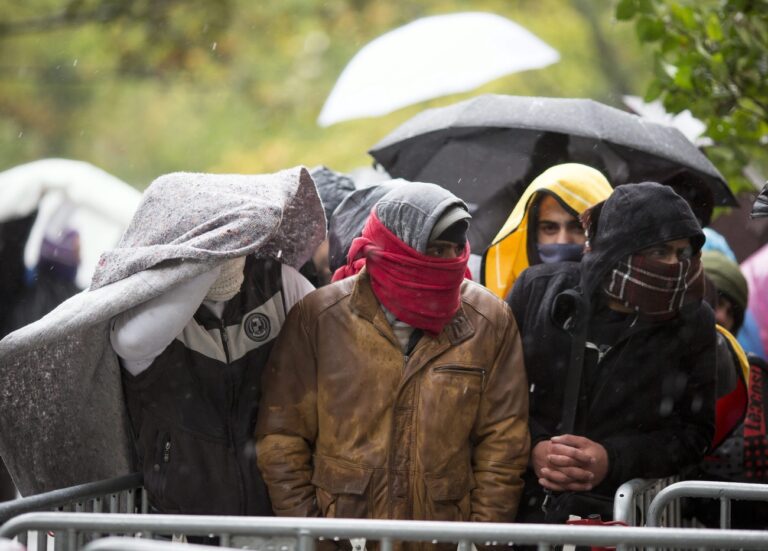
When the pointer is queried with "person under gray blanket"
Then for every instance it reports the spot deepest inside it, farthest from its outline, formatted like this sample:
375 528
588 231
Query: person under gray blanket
192 361
645 397
61 388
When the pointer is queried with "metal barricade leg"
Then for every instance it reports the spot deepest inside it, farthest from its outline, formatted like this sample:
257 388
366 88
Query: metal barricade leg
306 542
130 501
725 512
42 540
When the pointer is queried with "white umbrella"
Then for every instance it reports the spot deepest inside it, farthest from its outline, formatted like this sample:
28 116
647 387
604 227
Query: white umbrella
432 57
69 194
684 121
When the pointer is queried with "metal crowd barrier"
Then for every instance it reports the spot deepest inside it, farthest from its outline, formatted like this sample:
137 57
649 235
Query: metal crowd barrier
632 499
724 491
116 495
386 532
119 493
132 544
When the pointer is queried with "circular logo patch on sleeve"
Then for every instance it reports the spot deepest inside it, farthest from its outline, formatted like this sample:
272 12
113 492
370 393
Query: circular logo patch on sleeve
257 326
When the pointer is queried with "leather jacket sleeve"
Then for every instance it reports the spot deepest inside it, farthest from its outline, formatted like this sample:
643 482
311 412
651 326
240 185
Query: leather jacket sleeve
500 435
287 422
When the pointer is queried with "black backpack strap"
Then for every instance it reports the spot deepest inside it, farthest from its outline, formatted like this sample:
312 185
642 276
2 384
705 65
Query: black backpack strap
570 311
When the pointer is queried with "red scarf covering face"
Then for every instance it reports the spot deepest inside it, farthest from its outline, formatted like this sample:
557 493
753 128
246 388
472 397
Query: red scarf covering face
420 290
655 289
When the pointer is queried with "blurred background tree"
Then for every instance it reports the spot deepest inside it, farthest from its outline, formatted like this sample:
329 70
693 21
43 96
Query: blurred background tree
711 57
145 87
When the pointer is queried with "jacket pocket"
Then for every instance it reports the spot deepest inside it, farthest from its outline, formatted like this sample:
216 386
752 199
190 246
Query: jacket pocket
341 488
449 493
462 370
179 467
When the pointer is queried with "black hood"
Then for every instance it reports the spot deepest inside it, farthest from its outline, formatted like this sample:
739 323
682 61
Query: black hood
633 218
333 187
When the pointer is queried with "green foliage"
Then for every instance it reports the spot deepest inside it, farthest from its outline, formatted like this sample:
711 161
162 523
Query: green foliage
711 57
144 87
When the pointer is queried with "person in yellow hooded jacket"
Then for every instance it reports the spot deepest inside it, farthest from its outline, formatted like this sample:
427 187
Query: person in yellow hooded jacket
544 225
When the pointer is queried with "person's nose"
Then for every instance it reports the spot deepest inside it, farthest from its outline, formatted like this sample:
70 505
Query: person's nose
564 237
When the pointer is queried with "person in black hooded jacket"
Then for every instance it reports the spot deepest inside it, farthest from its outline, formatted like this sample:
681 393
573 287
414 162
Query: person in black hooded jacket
646 393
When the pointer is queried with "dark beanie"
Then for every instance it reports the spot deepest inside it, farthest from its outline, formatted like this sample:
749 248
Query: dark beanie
452 226
456 233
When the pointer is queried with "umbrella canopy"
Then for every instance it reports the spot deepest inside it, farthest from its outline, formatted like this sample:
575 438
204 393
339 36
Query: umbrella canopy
760 206
432 57
487 149
72 194
743 234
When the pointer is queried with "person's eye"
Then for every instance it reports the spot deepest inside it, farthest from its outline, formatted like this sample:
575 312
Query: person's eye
547 227
685 254
576 228
654 253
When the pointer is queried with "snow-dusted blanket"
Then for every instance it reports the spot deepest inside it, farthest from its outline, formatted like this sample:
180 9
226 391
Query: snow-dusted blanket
62 414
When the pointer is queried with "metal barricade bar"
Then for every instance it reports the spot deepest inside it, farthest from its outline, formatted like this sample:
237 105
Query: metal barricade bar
122 493
66 496
387 531
135 544
725 491
632 499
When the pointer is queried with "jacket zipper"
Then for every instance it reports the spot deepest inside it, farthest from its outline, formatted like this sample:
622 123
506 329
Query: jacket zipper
232 413
162 450
224 340
601 353
162 460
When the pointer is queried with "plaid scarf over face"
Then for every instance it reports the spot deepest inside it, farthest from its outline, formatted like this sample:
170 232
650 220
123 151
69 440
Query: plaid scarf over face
655 289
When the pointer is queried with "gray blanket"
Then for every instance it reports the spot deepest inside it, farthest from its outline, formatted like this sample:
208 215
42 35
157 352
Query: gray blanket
62 415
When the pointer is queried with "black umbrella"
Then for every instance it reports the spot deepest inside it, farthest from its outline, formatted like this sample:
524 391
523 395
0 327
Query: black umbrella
350 216
760 208
487 149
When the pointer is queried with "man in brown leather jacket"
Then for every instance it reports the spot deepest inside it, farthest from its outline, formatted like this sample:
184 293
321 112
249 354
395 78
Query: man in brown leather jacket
398 392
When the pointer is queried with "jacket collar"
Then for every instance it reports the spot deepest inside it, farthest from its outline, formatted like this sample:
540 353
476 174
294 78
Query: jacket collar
365 304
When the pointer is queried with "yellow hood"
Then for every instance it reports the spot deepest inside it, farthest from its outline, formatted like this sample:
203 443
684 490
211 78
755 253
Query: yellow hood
578 186
738 353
